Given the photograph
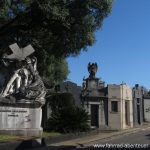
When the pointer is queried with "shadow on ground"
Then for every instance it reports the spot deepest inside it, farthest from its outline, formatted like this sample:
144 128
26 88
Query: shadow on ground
68 148
28 145
148 136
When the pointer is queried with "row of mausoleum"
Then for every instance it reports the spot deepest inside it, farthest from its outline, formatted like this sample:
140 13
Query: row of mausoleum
114 107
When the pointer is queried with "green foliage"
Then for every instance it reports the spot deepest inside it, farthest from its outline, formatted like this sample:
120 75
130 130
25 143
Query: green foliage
69 120
59 101
56 69
60 27
12 8
55 28
50 134
66 117
7 138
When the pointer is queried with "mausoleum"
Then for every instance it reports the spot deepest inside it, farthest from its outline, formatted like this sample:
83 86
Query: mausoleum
138 104
94 98
120 108
146 101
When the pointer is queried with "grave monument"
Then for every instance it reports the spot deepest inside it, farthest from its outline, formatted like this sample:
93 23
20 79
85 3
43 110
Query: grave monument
94 98
22 94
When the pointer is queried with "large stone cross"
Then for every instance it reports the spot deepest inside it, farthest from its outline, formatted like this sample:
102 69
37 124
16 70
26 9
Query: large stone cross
19 53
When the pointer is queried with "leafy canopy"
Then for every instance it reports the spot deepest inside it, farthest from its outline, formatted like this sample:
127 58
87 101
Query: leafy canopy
57 28
60 27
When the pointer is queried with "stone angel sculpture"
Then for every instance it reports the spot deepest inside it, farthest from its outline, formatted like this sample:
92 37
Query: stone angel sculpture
92 69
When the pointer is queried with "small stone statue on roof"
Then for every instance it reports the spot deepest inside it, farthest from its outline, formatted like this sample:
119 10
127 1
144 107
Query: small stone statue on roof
24 83
92 68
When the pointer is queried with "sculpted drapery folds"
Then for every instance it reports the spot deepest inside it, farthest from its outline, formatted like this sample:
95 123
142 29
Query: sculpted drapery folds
24 84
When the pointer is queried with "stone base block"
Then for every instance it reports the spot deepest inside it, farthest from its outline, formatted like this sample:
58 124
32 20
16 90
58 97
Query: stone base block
23 132
20 119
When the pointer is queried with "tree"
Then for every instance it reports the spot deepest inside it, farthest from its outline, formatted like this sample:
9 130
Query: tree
54 27
56 70
59 101
65 116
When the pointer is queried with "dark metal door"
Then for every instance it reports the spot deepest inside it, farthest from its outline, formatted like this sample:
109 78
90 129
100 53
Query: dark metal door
126 113
94 115
138 114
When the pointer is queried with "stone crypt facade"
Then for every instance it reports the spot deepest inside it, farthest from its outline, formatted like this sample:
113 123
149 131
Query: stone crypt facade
94 99
146 101
138 105
120 108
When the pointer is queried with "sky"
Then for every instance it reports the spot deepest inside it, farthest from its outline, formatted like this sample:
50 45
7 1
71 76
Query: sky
122 48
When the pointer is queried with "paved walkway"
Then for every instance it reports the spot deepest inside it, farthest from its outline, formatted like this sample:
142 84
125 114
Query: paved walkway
100 136
73 143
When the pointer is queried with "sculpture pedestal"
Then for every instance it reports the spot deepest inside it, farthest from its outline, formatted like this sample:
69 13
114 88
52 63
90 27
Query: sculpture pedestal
21 119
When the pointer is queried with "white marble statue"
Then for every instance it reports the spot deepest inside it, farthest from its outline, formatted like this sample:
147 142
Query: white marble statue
25 82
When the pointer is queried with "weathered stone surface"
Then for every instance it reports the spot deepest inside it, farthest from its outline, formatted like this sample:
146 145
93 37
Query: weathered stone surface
19 120
94 99
147 109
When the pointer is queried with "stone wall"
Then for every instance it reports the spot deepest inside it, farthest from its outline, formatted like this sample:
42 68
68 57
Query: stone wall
122 117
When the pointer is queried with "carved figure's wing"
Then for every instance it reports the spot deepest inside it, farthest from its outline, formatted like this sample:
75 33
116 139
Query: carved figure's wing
96 66
89 65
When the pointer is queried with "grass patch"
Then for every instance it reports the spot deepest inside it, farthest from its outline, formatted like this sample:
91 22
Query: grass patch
5 138
51 134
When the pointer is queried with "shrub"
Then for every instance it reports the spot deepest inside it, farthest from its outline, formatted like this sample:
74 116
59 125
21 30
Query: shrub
65 116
